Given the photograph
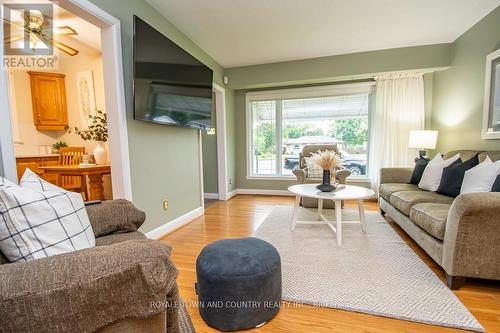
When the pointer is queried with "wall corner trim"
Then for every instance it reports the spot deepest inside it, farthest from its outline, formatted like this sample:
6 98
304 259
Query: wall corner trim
232 194
211 195
175 224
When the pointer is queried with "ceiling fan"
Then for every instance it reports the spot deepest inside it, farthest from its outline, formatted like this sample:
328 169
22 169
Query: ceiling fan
35 26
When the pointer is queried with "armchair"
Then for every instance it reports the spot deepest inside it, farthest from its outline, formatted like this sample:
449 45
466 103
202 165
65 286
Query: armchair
109 288
303 177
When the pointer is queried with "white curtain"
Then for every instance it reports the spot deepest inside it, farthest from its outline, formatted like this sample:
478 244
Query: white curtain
399 108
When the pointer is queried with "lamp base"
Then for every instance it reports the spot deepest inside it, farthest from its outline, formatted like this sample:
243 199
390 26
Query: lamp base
421 154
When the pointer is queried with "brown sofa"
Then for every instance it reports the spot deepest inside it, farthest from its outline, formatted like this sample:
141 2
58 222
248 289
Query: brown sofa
302 177
126 283
461 234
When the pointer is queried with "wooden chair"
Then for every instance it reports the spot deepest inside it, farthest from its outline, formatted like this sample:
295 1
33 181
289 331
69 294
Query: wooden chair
72 156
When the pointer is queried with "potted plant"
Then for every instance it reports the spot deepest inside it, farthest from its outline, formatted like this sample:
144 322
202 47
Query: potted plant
329 161
57 145
98 132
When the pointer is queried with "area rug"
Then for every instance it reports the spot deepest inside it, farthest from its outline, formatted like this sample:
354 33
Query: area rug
374 272
185 323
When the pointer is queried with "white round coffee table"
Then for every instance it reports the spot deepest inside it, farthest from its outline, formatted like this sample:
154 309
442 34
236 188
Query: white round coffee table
343 192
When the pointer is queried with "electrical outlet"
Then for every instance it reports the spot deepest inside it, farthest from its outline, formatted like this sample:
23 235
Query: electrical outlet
230 181
165 204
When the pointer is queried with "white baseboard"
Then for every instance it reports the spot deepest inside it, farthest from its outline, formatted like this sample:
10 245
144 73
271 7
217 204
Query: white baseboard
264 192
232 194
175 224
211 195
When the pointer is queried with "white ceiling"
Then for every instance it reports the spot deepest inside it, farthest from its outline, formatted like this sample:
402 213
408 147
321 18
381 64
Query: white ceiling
245 32
88 36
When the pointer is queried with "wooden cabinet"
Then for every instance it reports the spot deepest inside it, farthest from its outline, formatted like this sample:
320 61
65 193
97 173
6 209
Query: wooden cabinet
48 95
34 163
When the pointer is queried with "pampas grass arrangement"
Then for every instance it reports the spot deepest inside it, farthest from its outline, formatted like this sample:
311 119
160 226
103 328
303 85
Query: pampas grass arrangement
326 160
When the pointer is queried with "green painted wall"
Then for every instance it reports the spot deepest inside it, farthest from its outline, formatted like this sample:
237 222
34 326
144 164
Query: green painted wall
459 91
164 160
341 67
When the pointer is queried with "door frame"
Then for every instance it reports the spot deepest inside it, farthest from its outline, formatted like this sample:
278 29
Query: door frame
220 130
114 97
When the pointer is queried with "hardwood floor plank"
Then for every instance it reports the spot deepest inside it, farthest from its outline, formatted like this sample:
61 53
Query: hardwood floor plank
242 215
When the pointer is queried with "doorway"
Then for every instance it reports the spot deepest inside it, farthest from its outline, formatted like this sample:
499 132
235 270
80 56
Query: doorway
209 160
114 101
218 153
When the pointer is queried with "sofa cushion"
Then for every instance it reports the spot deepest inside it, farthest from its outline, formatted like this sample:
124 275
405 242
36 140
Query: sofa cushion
465 154
404 200
493 155
431 217
387 189
86 290
117 238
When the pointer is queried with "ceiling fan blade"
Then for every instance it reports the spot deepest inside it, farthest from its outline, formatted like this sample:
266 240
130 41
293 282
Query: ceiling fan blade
13 39
65 30
63 47
15 24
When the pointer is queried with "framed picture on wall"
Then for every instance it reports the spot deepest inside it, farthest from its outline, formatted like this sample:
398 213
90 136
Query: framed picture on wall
86 96
491 111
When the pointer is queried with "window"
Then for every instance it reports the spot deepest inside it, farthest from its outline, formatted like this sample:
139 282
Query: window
281 123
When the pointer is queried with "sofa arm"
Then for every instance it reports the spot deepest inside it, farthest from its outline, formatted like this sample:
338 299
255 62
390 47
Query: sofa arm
114 216
342 175
88 289
471 246
301 175
395 175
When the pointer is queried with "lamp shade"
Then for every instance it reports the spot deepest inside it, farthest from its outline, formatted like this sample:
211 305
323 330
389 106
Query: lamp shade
423 139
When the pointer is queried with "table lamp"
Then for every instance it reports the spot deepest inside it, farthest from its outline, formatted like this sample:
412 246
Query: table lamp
422 140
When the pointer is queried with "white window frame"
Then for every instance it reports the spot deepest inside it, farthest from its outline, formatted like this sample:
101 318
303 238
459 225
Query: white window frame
308 92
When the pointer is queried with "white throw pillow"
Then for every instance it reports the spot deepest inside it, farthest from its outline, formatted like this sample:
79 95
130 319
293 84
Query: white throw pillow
36 223
32 181
431 178
481 177
5 182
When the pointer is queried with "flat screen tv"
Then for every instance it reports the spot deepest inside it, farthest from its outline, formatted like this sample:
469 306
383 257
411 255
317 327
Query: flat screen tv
171 87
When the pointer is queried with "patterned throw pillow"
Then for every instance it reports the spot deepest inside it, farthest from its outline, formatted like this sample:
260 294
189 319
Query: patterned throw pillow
32 181
313 171
38 219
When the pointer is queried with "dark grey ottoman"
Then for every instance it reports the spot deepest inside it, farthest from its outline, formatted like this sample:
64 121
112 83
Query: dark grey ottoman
239 283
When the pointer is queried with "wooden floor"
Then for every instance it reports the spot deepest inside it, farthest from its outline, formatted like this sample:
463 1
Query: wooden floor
242 215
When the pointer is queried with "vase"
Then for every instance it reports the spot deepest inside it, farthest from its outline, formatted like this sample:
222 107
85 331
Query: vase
100 154
326 186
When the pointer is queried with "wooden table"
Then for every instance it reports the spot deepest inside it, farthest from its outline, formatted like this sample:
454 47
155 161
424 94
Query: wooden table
93 172
343 192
